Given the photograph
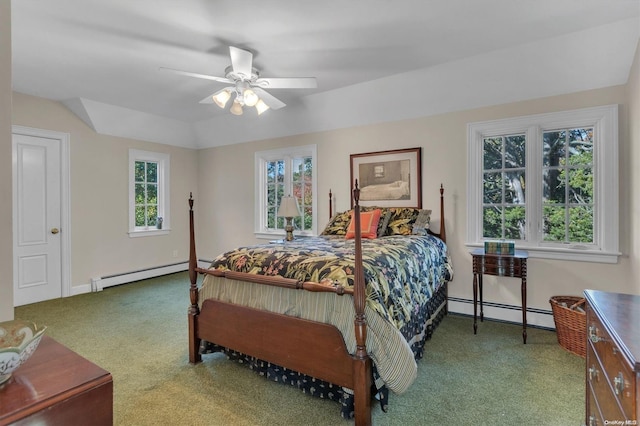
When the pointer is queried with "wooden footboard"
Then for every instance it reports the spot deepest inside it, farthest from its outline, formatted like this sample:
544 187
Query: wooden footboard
309 347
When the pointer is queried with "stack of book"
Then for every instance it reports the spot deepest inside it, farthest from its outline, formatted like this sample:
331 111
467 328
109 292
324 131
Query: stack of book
499 247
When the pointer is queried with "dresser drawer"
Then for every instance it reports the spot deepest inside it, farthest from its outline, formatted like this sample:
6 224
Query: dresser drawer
613 365
594 417
608 406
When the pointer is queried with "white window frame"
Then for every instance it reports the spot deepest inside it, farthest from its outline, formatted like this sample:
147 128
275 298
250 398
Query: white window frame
164 211
604 121
261 159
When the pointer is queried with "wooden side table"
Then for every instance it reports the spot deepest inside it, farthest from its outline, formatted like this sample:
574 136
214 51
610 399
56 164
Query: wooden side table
56 386
501 266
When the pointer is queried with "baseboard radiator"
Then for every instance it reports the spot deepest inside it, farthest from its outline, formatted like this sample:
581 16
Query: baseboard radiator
100 283
503 312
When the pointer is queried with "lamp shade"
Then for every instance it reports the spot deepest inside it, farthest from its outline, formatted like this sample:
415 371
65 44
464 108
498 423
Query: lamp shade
261 106
250 98
221 98
289 207
236 108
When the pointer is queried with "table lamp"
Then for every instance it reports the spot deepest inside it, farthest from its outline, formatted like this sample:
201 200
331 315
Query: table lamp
289 209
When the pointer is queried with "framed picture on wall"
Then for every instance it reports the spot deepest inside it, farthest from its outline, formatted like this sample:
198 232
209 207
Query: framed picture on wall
388 178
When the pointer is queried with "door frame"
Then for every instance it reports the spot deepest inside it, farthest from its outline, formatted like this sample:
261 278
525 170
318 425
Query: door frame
65 199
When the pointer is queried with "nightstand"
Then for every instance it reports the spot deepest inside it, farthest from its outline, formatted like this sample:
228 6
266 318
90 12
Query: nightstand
500 265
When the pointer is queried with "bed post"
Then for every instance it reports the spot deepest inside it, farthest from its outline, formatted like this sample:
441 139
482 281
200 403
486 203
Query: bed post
330 204
443 232
362 363
194 341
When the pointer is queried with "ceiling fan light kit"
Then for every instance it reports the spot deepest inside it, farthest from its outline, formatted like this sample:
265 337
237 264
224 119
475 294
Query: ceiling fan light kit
247 85
236 108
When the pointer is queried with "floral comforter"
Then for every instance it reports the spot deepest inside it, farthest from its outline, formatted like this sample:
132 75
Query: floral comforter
401 272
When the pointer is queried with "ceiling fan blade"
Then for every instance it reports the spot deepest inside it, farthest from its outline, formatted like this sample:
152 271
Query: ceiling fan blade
241 61
203 76
209 99
287 83
269 99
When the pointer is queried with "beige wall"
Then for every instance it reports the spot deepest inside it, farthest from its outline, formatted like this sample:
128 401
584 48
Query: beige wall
6 246
100 244
226 176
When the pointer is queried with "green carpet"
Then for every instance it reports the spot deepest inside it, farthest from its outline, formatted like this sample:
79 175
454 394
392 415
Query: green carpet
138 332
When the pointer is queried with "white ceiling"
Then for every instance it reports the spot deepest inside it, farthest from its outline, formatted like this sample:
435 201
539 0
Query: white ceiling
375 60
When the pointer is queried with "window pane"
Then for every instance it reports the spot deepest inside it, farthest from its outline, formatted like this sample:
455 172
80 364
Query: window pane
581 224
504 185
271 172
152 213
140 198
280 171
553 148
514 224
492 188
492 222
581 146
514 187
553 186
515 151
152 193
493 153
271 217
568 185
297 169
152 172
139 171
308 218
140 216
581 186
271 196
554 223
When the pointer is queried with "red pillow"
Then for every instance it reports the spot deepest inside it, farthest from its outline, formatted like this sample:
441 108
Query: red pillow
368 224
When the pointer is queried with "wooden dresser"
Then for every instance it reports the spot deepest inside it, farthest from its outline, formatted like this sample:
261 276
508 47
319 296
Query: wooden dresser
613 359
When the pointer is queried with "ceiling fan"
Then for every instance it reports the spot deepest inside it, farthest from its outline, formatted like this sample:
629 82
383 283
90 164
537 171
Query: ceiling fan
247 85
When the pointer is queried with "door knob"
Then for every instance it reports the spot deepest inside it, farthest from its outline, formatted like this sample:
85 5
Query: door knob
54 230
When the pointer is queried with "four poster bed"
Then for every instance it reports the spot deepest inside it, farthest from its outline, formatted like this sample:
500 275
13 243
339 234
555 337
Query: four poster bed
299 312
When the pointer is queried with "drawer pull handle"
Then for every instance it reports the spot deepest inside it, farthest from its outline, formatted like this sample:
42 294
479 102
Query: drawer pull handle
593 373
592 420
618 383
593 334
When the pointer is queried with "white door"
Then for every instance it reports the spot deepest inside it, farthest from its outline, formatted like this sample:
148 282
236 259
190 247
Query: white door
37 218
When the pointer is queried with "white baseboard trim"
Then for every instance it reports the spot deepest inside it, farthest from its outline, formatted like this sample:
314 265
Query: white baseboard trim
100 283
502 312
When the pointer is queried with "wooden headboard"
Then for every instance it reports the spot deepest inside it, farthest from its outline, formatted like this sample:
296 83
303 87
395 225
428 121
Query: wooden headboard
442 234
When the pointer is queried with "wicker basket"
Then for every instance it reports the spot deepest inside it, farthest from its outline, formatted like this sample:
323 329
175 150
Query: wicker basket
571 324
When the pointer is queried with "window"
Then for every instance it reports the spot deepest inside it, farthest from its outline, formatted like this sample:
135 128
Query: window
283 172
549 182
148 193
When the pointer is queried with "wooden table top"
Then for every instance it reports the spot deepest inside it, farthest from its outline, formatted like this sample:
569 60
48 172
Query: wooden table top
53 373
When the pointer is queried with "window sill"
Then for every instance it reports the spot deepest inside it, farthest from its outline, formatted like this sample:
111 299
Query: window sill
280 235
149 233
578 255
